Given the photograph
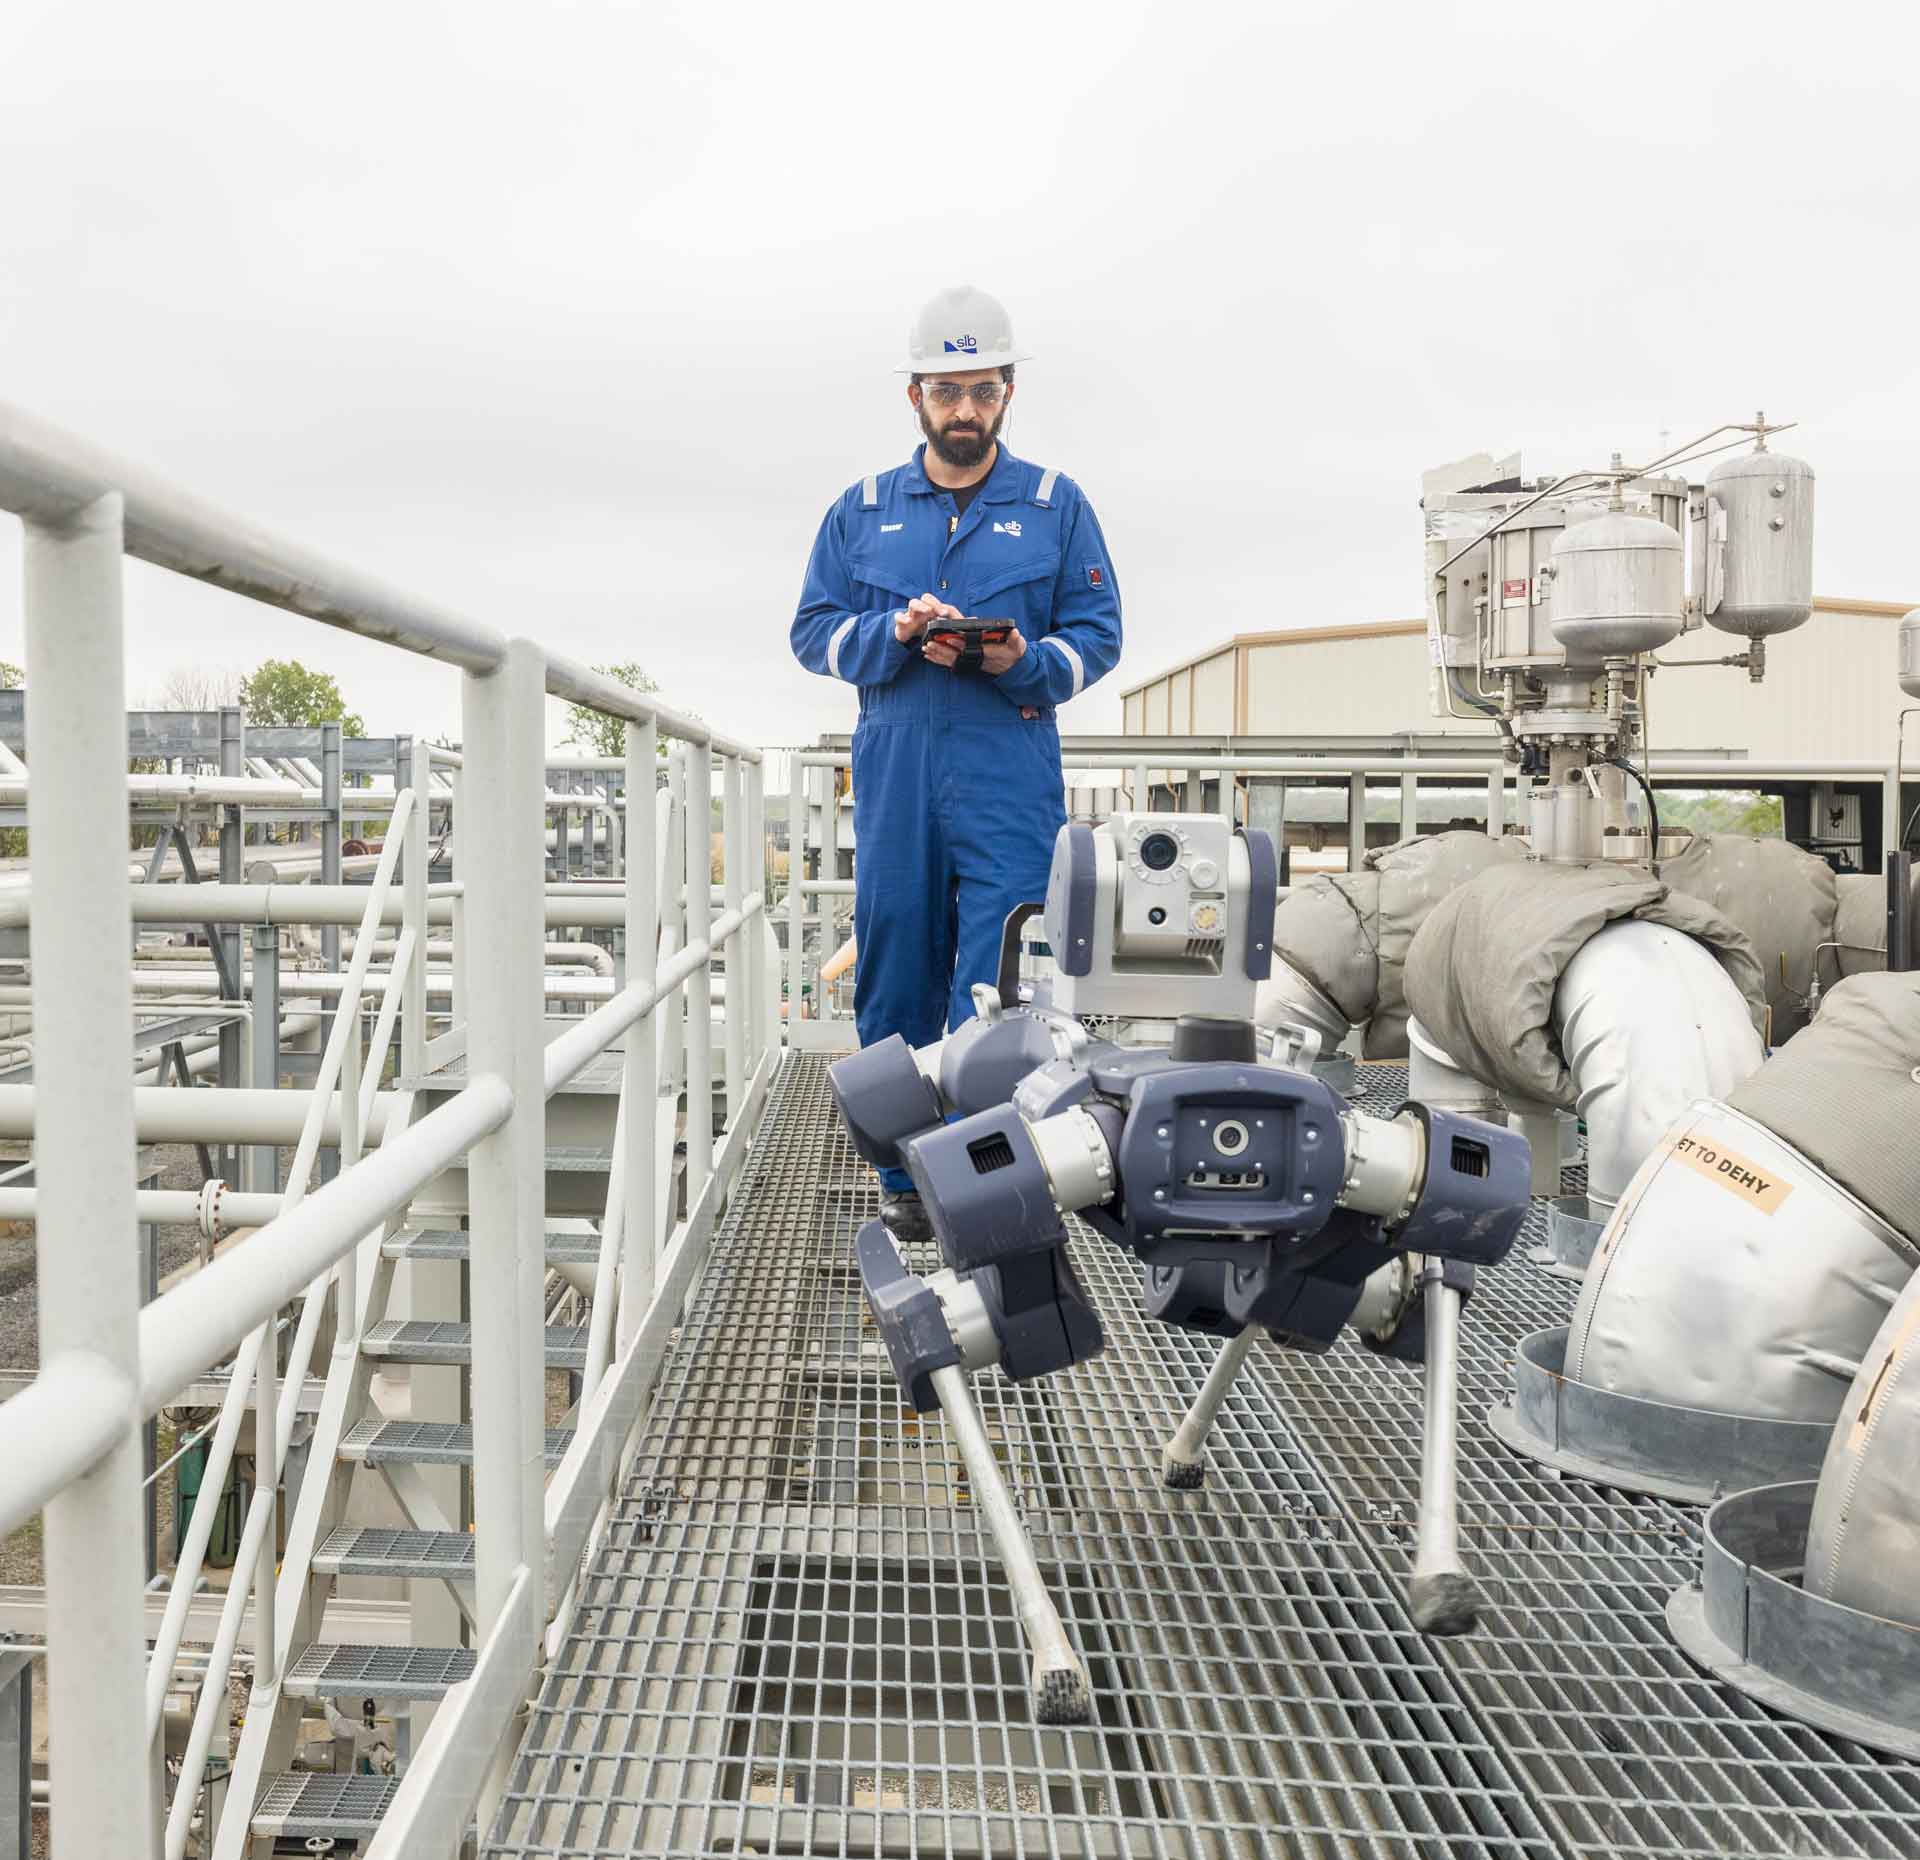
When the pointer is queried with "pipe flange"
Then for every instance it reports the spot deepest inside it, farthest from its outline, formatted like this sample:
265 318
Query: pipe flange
1564 723
1634 1445
212 1194
1749 1623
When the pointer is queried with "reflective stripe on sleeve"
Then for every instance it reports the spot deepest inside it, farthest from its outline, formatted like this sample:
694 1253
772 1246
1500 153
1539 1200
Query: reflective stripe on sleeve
840 632
1073 659
1048 479
870 492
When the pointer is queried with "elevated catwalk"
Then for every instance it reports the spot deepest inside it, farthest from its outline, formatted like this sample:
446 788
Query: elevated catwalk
795 1640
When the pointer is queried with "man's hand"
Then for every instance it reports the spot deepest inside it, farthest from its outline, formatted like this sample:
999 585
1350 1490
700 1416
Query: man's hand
913 620
996 659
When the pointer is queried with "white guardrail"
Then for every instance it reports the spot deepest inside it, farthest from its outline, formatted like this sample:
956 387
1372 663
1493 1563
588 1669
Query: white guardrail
70 1442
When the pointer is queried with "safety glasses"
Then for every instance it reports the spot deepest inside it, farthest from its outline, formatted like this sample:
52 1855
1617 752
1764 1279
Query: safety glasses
952 393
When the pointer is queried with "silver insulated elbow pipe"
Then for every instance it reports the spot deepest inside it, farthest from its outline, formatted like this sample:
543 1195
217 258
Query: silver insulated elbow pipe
1648 1023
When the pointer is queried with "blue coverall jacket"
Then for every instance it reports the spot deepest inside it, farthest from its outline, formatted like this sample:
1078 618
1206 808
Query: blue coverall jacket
957 797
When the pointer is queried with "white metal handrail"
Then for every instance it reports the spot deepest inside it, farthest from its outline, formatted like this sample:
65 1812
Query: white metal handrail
107 1363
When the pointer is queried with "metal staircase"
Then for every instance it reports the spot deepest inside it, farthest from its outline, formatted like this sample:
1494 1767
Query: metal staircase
398 1403
422 1464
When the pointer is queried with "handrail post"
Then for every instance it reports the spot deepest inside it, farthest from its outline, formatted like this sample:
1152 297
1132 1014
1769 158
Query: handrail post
263 1159
699 907
796 874
640 1066
673 902
733 827
80 923
455 870
766 975
411 770
332 833
503 745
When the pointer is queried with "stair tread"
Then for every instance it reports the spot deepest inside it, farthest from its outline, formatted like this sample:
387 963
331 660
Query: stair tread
328 1668
368 1550
424 1340
429 1443
562 1249
297 1805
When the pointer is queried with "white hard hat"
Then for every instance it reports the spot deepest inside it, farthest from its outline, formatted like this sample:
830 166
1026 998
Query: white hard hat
958 329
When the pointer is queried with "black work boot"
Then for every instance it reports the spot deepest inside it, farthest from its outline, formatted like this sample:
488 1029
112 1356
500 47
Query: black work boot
905 1215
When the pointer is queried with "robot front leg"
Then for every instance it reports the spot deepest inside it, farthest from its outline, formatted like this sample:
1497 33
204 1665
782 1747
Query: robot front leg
1026 1314
1442 1595
1061 1692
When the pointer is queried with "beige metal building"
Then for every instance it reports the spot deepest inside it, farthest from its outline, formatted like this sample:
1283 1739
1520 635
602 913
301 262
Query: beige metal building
1829 692
1830 697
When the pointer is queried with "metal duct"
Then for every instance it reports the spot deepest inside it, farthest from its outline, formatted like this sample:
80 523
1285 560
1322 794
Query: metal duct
1433 1078
1288 997
1866 1514
1735 1277
1648 1021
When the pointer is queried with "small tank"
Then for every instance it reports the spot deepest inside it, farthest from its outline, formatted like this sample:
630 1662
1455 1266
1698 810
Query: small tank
1766 584
1910 653
1618 583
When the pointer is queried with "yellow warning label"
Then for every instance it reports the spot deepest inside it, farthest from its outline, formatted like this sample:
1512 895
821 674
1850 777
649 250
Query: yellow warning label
1737 1174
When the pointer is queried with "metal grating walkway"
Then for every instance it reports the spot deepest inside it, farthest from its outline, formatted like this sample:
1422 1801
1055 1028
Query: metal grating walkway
795 1640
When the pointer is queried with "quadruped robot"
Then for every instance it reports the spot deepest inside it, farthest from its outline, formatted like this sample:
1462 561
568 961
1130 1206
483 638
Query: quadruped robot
1131 1088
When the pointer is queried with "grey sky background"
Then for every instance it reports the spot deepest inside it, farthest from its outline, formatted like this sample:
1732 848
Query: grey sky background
578 315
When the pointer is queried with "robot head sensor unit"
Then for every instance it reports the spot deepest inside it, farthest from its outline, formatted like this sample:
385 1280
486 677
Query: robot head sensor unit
1157 915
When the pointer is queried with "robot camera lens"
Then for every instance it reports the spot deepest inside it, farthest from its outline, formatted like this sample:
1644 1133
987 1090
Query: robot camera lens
1156 915
1158 851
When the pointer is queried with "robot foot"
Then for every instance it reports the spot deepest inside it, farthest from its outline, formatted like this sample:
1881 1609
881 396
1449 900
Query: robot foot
1445 1603
1181 1475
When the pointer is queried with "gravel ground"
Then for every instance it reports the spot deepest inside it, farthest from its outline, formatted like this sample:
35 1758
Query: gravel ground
20 1341
19 1308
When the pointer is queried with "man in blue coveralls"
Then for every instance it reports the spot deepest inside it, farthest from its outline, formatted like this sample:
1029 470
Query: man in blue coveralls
957 789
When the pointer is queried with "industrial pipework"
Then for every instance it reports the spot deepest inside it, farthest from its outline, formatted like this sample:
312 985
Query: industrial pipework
1547 601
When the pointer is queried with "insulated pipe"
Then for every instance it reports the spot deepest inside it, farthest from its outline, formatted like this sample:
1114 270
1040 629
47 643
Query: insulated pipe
172 1207
194 905
440 949
236 1114
1434 1078
324 983
1757 1296
214 790
1648 1022
1286 996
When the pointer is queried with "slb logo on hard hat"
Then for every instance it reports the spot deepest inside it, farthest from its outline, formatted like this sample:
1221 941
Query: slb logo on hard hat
966 345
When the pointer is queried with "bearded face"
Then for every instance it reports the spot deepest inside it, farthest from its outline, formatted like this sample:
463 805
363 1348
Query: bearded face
962 435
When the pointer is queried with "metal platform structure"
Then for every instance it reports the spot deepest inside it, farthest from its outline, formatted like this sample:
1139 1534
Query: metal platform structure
795 1639
580 1299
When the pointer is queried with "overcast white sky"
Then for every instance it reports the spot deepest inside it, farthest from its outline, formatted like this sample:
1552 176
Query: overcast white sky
578 315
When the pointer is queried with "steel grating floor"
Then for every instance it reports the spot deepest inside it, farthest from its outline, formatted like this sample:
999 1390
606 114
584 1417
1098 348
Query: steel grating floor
795 1639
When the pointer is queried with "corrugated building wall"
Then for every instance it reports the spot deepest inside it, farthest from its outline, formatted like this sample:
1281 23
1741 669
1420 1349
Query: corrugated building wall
1829 693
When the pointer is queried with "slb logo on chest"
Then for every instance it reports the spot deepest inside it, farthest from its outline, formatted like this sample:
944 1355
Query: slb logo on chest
1007 529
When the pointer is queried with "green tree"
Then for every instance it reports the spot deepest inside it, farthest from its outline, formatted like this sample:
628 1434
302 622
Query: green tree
11 676
596 732
284 692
